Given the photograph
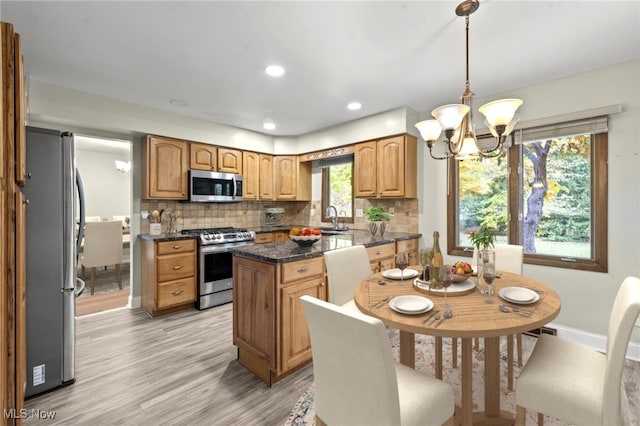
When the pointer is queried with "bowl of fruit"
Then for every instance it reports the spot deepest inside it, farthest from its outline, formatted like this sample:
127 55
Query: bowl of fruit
305 237
462 271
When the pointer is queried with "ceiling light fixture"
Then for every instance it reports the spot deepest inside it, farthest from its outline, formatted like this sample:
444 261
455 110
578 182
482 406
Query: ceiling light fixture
457 119
269 125
354 106
274 70
178 102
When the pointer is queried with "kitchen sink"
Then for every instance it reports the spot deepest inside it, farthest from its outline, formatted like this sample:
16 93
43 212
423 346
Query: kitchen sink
331 231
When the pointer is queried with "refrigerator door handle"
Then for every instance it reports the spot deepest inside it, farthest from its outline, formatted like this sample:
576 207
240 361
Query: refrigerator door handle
80 286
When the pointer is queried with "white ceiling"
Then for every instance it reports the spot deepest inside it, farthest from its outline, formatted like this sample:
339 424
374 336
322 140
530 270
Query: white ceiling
212 54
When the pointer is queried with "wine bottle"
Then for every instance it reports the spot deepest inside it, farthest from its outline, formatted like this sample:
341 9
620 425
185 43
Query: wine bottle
436 262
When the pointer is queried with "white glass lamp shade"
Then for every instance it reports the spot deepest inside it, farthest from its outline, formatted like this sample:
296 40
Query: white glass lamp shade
429 129
450 116
500 112
468 149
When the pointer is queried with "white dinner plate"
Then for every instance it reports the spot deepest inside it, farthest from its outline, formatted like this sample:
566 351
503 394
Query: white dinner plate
394 274
411 304
519 295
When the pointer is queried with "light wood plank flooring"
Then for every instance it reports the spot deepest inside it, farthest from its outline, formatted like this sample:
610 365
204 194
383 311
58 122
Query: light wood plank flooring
182 369
176 369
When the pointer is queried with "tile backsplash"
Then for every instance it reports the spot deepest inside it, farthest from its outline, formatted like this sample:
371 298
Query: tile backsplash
246 214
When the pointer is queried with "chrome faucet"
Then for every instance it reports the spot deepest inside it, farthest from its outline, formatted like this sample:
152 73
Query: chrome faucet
334 216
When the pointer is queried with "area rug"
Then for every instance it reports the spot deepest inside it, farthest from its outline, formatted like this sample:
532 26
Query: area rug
303 411
106 280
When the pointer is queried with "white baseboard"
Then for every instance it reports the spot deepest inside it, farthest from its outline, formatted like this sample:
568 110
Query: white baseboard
596 341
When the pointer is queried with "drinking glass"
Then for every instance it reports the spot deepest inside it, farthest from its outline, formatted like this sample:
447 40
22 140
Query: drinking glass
425 261
445 278
402 261
487 273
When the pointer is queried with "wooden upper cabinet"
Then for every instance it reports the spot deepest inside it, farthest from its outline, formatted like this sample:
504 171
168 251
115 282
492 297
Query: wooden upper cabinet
250 175
286 176
265 180
365 164
292 178
165 168
229 160
202 156
391 166
386 168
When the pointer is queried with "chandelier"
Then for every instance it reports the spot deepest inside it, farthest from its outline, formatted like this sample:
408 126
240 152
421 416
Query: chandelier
456 120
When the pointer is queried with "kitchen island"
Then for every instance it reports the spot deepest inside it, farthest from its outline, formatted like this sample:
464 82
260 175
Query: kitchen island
269 327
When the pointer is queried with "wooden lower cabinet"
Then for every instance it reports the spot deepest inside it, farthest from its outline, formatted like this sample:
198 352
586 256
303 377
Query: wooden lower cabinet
271 237
168 275
269 326
411 248
382 257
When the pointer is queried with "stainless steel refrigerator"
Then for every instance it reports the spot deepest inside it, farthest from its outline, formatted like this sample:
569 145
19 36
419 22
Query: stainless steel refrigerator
53 240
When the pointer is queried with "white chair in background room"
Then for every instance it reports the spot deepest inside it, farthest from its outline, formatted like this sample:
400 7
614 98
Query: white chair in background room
346 267
102 247
356 379
88 219
576 383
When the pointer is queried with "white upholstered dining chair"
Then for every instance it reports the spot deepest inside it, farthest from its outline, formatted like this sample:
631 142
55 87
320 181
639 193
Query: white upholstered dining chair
576 383
346 267
102 247
356 379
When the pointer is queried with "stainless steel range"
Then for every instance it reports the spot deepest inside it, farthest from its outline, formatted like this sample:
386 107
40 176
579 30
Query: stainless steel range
215 262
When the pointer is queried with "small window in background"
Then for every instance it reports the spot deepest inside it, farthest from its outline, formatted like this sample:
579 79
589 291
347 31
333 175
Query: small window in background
337 187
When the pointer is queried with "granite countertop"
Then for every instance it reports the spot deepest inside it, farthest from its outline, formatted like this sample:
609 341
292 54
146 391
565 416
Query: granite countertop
288 251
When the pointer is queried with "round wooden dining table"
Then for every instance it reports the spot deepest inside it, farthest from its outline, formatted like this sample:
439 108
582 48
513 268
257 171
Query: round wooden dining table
472 318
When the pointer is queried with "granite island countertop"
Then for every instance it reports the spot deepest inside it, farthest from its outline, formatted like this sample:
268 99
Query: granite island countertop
289 251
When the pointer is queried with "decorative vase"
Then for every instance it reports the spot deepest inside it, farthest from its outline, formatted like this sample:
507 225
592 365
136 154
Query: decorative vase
373 227
383 227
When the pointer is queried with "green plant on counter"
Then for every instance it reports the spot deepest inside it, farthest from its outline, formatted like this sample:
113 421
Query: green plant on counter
377 214
483 238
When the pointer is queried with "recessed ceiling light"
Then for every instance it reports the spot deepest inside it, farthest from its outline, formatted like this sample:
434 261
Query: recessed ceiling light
269 125
177 102
353 106
274 70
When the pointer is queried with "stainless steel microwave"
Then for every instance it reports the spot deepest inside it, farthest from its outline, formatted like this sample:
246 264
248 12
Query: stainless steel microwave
214 187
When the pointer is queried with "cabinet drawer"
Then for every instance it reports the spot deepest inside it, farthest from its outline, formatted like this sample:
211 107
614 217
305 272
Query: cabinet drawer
176 246
266 237
407 245
176 292
178 266
380 252
301 269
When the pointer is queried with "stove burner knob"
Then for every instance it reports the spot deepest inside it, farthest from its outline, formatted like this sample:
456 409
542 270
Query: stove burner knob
218 236
206 237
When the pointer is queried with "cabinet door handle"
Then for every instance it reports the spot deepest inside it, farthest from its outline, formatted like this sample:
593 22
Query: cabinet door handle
322 284
379 252
176 247
177 293
303 270
177 267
